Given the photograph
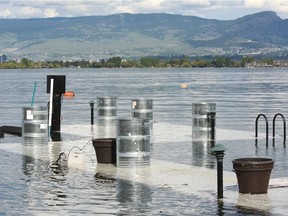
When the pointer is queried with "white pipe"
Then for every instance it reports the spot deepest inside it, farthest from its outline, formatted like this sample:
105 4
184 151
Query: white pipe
51 103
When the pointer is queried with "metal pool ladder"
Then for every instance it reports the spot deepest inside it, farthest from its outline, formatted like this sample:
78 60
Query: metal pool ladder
284 129
267 129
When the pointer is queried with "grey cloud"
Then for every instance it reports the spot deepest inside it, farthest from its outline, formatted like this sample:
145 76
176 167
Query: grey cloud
218 9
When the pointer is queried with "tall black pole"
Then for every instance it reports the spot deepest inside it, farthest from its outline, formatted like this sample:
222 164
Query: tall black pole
56 118
59 83
92 111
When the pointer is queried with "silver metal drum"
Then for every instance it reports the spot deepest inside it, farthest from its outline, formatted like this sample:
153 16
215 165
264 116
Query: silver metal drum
133 142
35 125
142 108
106 128
106 107
203 121
106 117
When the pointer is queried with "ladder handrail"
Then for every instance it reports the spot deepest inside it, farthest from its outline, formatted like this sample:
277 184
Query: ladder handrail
256 127
284 128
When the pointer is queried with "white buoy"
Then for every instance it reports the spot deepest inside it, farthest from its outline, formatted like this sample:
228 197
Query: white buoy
183 85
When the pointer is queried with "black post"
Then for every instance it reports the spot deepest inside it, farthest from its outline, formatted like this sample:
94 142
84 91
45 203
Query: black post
92 111
218 151
56 118
58 90
211 122
219 158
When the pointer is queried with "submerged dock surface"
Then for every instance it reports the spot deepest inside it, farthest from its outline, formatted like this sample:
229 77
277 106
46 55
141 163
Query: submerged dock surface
172 183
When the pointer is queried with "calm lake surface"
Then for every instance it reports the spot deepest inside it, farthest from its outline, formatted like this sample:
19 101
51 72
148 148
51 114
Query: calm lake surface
240 94
26 185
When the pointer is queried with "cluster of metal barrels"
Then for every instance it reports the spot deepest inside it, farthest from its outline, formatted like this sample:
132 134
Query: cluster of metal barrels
133 134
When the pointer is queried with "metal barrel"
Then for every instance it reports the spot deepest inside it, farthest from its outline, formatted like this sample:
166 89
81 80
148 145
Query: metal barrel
35 125
203 121
106 107
142 108
133 142
106 117
106 128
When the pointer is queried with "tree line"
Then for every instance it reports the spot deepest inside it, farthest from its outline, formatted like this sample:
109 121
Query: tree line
144 62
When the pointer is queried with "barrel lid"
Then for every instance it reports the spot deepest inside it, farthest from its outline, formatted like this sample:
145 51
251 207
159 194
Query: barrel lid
105 97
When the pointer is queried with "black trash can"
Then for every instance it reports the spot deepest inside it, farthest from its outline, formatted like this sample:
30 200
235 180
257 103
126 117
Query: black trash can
253 174
105 149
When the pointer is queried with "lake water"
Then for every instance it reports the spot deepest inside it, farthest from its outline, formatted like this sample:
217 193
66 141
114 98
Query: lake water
29 188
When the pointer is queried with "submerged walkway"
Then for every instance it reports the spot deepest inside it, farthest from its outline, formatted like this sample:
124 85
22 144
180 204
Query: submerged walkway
10 130
163 173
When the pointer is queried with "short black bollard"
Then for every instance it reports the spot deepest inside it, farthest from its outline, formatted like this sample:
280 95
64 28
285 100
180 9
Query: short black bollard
92 111
211 116
218 151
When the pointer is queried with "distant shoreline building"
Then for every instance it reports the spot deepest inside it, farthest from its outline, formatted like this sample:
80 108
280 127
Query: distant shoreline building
3 58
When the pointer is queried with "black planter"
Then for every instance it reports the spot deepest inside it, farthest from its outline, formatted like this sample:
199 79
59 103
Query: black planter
105 149
253 174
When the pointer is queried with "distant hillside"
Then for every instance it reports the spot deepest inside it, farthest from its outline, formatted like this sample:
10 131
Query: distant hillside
137 35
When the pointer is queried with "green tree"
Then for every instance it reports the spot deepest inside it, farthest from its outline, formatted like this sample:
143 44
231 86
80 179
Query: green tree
149 62
228 62
96 65
116 61
246 60
218 62
201 63
25 62
128 64
186 64
268 61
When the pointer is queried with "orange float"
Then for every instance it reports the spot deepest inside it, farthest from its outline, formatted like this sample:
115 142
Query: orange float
69 94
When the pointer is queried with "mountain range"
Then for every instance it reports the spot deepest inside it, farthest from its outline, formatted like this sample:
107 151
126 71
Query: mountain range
139 35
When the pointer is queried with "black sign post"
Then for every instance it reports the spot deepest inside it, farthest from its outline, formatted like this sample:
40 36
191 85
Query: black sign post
58 90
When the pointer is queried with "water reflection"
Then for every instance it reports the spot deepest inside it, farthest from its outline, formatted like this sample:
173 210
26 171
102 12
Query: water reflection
35 159
54 150
247 204
134 198
58 162
220 207
37 166
201 153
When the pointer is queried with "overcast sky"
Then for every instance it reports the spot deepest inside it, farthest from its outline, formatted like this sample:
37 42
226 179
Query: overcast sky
215 9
